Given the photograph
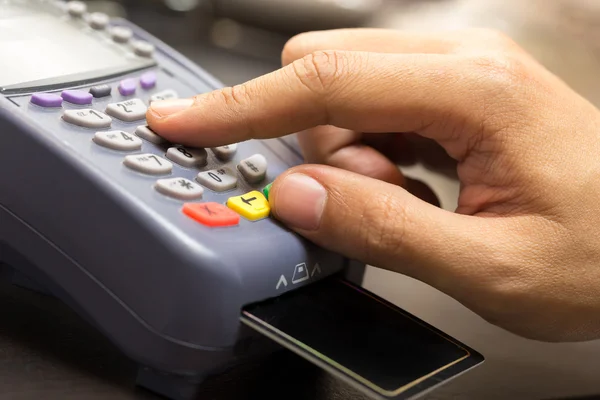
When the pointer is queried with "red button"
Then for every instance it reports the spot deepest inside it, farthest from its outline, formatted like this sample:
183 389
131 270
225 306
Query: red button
211 214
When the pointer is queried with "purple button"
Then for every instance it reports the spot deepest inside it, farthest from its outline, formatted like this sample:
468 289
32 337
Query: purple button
77 97
148 80
46 100
127 87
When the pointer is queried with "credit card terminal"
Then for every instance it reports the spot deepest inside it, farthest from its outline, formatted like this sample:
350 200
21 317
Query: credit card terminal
157 245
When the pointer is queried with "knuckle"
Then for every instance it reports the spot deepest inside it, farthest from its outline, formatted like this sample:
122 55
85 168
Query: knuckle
384 226
319 71
234 96
501 71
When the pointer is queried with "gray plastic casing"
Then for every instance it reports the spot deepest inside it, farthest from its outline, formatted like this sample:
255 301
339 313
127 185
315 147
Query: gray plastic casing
165 289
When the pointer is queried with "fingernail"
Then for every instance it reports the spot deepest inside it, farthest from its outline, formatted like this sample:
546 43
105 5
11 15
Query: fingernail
166 108
300 201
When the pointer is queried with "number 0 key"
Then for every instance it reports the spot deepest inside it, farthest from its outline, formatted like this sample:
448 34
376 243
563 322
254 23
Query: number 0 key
219 180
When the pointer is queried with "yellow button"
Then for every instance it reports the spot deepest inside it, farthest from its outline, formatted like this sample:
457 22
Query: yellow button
251 205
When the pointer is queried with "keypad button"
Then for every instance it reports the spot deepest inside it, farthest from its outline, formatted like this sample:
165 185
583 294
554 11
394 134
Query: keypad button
211 214
168 94
148 134
179 188
46 100
189 158
128 110
98 20
121 34
78 97
225 153
219 180
76 8
254 168
267 190
118 140
101 91
127 87
148 80
87 118
252 206
148 164
143 48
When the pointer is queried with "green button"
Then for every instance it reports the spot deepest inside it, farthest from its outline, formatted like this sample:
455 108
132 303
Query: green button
267 189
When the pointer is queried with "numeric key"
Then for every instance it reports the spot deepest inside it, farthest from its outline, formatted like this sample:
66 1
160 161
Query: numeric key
219 180
189 158
148 134
148 164
225 153
128 110
118 140
87 118
168 94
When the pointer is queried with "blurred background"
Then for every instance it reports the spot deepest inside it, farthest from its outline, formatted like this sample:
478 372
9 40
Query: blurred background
237 40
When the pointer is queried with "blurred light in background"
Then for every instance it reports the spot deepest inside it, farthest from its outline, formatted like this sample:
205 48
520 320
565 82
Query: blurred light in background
182 5
564 35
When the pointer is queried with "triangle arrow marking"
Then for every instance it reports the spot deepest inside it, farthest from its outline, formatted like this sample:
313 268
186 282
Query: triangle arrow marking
283 281
315 269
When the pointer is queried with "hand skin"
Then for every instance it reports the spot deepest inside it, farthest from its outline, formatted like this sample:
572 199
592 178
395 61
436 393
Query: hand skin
522 249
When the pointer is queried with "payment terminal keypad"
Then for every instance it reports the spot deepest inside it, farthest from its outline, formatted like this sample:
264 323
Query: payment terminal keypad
114 121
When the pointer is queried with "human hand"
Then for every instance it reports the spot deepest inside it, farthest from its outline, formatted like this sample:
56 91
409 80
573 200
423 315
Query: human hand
523 247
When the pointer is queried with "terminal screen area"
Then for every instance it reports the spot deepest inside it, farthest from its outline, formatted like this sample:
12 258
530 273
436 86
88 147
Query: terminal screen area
38 46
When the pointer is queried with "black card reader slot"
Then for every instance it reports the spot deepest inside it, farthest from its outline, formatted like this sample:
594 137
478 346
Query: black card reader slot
359 337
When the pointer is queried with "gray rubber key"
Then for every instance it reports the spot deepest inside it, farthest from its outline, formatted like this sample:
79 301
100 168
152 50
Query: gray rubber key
225 153
219 180
150 164
128 110
254 168
118 140
168 94
187 157
148 134
179 188
87 118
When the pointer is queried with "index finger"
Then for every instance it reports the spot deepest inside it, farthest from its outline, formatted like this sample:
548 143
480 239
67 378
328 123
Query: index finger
366 92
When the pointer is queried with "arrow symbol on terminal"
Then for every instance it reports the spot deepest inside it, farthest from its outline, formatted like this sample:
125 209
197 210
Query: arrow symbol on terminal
248 201
283 281
315 269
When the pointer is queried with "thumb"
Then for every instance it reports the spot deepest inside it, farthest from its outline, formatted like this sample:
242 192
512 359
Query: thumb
383 225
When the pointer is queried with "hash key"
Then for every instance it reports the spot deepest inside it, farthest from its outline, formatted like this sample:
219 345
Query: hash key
254 168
